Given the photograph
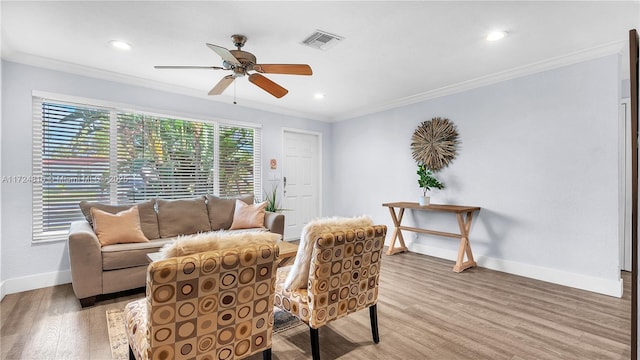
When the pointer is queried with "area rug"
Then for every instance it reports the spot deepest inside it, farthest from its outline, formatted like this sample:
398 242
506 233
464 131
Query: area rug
117 334
282 321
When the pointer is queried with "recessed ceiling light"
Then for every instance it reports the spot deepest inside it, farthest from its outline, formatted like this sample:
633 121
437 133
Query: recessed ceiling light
319 96
496 35
119 44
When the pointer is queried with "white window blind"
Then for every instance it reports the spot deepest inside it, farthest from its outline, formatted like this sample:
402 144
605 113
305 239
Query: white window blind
94 153
158 156
238 168
71 157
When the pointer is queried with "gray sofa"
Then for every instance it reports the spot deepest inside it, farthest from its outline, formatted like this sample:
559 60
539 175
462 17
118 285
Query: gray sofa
97 269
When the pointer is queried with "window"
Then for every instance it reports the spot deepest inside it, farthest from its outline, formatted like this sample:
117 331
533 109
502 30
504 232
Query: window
117 156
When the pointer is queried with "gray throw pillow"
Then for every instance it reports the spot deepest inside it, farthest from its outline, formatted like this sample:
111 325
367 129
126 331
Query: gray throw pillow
182 217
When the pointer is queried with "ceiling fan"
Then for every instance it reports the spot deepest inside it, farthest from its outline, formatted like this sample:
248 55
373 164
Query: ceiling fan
241 63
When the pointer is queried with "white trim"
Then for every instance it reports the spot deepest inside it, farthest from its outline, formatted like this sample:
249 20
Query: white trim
1 173
624 185
2 293
320 163
320 173
112 105
536 67
520 71
560 277
37 281
95 73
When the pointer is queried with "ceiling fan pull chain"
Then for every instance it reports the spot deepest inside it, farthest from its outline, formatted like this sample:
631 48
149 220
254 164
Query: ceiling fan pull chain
235 85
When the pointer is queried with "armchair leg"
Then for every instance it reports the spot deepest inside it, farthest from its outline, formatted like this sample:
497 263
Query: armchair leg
315 344
373 314
266 354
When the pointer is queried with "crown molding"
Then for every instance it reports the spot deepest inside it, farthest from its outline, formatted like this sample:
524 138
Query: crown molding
521 71
92 72
533 68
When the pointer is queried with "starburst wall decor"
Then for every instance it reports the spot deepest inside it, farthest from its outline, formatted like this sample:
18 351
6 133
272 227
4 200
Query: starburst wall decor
435 143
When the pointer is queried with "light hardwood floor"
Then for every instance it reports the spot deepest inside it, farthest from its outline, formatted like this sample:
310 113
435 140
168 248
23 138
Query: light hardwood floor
425 311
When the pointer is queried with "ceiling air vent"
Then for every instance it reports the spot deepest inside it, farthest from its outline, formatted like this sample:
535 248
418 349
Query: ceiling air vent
322 40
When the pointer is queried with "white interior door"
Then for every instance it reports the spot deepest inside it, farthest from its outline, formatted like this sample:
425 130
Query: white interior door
300 180
624 210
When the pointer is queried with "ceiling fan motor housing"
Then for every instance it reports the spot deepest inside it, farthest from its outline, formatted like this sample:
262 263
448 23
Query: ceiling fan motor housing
243 56
247 60
241 63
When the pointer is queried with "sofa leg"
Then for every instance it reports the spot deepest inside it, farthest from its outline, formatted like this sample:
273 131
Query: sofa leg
373 314
266 354
131 354
88 301
315 344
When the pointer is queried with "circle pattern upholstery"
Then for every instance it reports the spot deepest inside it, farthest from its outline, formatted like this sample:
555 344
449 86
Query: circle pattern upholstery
212 305
343 277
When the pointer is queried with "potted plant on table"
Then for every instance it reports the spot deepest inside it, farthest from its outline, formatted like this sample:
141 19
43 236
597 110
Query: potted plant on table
427 181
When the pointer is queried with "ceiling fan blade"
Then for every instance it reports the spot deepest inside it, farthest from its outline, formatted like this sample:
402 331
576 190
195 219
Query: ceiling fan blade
187 67
268 85
291 69
224 53
222 85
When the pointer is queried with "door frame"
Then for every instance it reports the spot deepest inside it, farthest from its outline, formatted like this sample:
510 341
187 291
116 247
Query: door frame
624 189
320 160
634 64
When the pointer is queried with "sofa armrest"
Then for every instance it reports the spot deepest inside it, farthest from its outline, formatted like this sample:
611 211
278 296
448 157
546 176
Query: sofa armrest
274 222
85 257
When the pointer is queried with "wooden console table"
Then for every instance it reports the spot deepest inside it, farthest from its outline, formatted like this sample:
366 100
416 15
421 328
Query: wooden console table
464 222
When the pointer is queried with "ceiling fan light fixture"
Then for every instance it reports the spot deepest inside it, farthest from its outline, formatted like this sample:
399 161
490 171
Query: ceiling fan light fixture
318 96
120 45
496 35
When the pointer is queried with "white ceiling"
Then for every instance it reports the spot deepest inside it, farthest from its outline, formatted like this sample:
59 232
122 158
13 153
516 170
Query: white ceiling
393 52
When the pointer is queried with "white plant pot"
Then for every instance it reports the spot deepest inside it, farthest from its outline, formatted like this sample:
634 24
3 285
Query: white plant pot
424 200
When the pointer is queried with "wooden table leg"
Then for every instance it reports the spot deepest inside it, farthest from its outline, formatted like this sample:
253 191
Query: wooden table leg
285 261
397 233
465 246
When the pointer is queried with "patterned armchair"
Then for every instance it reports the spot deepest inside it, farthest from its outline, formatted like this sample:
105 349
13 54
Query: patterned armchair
343 279
210 305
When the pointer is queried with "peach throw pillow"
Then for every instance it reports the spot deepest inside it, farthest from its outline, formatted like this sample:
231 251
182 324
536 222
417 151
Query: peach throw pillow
123 227
248 216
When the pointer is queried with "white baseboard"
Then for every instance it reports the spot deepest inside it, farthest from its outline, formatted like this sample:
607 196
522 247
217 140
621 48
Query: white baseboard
579 281
575 280
12 286
1 290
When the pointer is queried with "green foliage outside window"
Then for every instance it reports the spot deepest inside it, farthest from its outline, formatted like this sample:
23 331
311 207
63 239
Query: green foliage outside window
84 158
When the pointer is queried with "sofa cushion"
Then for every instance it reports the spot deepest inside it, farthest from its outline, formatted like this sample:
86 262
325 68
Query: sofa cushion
182 217
146 211
299 274
247 216
216 240
221 210
120 228
120 256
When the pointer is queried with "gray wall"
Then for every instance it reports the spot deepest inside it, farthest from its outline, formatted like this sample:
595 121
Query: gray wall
25 265
538 153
